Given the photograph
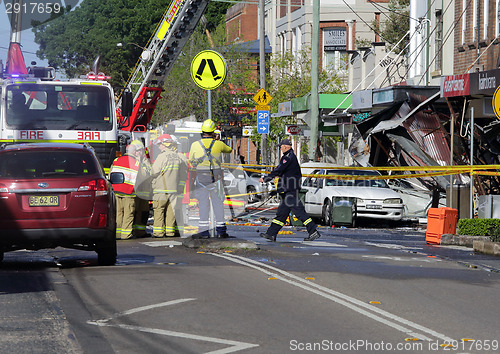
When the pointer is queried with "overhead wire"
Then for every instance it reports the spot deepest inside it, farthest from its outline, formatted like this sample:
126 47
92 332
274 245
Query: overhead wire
362 20
450 31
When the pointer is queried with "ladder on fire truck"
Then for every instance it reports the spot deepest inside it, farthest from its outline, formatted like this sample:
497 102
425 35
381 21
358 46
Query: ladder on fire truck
157 59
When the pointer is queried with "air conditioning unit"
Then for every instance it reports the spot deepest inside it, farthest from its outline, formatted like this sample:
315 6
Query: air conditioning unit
476 68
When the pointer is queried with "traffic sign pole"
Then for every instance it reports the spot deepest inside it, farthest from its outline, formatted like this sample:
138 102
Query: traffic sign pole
209 104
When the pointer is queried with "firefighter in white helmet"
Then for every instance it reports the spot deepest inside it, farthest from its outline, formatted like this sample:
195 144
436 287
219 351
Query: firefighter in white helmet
169 175
205 156
126 198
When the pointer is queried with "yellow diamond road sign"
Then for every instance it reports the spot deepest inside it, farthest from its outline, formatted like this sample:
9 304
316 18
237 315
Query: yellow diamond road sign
262 98
208 69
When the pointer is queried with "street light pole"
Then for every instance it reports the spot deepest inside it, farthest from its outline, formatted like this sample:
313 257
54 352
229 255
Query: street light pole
313 139
262 69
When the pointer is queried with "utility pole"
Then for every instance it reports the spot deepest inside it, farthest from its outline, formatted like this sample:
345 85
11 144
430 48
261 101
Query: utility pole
313 139
262 70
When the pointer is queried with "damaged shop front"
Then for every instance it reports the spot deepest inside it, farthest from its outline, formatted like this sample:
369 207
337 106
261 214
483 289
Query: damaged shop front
412 126
407 126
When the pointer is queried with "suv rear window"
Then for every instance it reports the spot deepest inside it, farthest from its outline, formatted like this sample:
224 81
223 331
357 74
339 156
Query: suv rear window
49 163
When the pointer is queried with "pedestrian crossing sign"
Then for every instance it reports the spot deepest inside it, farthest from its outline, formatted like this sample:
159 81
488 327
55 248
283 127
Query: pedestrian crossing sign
208 69
262 98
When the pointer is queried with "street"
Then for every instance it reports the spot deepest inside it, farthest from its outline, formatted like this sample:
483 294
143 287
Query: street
364 290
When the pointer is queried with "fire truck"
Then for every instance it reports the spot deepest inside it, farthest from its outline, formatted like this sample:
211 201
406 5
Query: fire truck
34 107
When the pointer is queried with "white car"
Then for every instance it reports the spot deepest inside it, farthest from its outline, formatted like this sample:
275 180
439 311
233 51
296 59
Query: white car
239 181
373 198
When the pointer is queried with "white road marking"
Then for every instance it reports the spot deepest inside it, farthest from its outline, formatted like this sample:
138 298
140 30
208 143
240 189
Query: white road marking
234 346
401 259
162 243
342 299
319 243
392 246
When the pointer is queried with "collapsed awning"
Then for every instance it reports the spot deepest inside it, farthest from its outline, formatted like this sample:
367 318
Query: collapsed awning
417 156
396 122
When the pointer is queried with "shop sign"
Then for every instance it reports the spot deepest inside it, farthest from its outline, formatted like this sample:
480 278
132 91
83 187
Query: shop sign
484 82
455 85
335 39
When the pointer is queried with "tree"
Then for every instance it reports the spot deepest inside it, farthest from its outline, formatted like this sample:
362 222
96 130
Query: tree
397 24
70 43
291 78
182 97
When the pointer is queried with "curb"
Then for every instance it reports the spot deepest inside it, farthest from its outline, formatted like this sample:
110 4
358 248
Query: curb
487 247
219 243
461 240
481 244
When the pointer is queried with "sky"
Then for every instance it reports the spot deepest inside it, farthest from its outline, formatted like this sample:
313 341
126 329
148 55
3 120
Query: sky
28 45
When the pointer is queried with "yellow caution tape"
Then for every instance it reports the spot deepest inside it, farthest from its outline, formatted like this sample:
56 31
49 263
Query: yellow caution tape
282 232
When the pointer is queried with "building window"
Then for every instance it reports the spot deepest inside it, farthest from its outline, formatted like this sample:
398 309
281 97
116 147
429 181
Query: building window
439 40
497 22
464 20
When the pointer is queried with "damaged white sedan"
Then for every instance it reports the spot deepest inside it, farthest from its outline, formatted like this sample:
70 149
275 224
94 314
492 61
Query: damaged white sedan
371 198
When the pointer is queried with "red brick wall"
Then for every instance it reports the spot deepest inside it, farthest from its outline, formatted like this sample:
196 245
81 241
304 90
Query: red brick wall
242 25
466 54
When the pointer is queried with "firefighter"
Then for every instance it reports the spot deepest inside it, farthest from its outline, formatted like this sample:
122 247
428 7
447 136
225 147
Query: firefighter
144 192
205 157
169 175
288 187
126 198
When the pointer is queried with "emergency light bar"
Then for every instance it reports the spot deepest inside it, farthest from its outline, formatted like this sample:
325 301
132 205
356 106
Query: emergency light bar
98 77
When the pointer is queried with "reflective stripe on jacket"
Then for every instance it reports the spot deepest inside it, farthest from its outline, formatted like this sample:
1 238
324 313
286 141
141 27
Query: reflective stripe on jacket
169 172
129 166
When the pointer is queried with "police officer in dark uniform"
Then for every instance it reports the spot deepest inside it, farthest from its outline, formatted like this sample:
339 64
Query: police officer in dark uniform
288 187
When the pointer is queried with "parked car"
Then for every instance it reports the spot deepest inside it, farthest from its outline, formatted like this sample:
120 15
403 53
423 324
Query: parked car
373 198
55 195
239 181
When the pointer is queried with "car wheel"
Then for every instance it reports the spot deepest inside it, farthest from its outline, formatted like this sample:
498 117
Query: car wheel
252 198
327 213
106 253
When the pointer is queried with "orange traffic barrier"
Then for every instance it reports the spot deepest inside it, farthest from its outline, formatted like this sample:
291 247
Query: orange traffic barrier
440 221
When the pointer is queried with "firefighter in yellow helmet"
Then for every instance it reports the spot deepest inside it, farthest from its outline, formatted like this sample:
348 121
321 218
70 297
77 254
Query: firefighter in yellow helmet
169 175
205 156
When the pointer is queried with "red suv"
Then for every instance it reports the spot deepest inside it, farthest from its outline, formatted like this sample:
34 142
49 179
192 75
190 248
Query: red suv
55 195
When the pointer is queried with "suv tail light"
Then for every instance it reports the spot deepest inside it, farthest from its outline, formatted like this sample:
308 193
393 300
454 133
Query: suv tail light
98 185
3 188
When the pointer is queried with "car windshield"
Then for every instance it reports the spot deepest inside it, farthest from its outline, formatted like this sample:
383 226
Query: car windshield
47 163
378 183
65 107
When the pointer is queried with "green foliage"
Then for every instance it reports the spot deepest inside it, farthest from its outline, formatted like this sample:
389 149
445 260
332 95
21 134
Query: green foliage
71 42
183 98
397 24
291 78
216 14
479 227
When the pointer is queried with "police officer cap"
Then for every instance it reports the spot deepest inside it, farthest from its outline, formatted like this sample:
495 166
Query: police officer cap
285 142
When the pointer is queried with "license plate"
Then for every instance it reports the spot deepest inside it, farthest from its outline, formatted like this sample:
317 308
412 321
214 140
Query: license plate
374 207
43 200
